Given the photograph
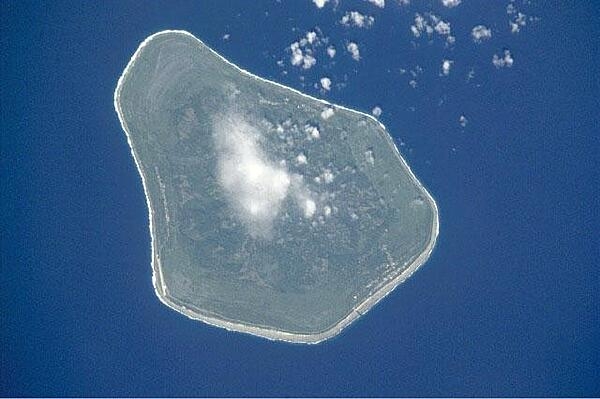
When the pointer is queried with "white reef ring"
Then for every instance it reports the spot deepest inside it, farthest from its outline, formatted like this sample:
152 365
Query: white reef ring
162 290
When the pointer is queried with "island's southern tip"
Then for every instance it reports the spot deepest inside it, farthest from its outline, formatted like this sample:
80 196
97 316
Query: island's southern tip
271 212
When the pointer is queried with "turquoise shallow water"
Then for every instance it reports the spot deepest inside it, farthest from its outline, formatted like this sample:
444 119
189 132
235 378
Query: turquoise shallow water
507 305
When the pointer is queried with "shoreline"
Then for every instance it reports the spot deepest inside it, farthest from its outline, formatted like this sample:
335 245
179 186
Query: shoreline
313 338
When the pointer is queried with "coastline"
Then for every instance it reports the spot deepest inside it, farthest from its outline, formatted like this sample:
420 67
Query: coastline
158 281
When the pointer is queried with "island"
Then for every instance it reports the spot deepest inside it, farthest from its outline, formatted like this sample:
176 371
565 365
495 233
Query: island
271 212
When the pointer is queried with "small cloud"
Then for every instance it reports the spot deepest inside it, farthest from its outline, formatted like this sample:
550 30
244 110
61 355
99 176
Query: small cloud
480 33
309 208
354 18
353 50
302 51
420 26
320 3
442 28
451 3
226 36
327 113
301 58
327 176
326 83
376 112
297 55
313 131
429 24
378 3
311 37
504 61
463 120
518 22
301 159
370 157
446 65
518 19
331 51
470 75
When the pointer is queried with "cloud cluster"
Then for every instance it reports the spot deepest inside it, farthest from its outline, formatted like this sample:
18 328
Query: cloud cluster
303 50
503 61
378 3
327 113
331 51
429 24
451 3
356 19
518 22
446 65
254 186
353 50
320 3
480 33
325 83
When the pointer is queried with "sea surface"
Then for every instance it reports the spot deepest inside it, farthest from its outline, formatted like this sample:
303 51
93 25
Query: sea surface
508 303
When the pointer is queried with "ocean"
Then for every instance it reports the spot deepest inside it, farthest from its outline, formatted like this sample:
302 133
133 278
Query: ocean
508 303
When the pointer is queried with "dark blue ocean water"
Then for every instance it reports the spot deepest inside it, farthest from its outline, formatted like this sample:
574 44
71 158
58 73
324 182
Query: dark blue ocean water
507 305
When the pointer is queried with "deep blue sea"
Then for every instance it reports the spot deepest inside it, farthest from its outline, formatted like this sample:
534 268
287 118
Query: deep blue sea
508 303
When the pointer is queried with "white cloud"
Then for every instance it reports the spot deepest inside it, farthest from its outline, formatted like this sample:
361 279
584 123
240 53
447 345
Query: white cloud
311 37
255 187
302 51
308 61
378 3
297 55
301 159
451 3
320 3
369 157
429 24
446 65
480 33
327 176
354 18
518 19
470 75
312 131
331 51
463 120
309 208
376 111
419 26
518 22
327 113
503 61
326 83
442 28
353 50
